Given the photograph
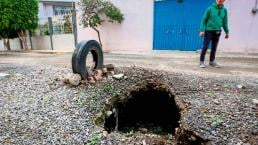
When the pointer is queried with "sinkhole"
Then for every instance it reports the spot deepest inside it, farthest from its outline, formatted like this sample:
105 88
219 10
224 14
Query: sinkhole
150 106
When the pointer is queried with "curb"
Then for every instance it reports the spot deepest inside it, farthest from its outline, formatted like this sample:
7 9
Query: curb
39 51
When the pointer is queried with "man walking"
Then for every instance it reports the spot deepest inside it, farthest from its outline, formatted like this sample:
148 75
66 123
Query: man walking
213 20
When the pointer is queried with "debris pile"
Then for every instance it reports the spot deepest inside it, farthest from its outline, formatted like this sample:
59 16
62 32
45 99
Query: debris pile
94 75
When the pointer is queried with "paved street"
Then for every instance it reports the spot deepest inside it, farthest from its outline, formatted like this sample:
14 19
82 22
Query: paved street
233 64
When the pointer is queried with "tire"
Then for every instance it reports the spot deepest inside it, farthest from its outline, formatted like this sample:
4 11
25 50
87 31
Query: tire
80 55
75 52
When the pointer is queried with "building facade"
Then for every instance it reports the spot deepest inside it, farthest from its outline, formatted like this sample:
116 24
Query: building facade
169 25
54 8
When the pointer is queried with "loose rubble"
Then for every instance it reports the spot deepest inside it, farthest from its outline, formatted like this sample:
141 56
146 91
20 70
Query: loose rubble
38 108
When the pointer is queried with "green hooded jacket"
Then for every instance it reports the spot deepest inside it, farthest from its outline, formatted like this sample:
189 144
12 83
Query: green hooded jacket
214 18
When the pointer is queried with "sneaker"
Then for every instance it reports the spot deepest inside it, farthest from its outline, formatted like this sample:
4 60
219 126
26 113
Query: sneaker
202 65
214 64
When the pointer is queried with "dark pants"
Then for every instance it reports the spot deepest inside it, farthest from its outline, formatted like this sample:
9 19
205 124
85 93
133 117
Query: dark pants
212 36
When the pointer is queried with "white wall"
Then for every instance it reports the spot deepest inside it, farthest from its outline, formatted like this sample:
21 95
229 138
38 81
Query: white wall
14 44
49 11
243 26
41 10
60 42
134 34
45 11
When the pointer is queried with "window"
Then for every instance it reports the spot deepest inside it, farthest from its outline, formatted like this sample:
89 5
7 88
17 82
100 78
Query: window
62 10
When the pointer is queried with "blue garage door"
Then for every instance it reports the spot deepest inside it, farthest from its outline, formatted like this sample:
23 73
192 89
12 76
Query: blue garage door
176 25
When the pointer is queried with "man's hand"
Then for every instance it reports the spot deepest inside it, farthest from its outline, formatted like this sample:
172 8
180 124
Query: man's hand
201 34
226 37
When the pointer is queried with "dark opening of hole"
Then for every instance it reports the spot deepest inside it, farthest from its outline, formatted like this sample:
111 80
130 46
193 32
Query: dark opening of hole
110 123
150 109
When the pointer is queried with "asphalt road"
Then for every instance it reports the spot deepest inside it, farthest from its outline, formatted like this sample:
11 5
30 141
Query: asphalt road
237 65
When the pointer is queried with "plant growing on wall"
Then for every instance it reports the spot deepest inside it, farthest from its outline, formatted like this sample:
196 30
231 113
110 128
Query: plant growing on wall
95 12
18 16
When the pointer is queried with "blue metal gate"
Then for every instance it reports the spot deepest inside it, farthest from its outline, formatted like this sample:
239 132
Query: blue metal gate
176 25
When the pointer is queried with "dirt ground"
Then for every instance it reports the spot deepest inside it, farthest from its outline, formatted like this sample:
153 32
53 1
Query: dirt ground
232 64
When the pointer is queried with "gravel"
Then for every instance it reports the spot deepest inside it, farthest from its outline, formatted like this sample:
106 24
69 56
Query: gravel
38 108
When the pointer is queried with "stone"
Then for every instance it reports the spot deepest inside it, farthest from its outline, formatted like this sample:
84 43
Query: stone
18 75
109 113
118 76
216 102
91 80
213 132
66 104
104 70
110 67
84 82
144 142
73 79
98 75
240 87
255 101
112 73
105 133
4 74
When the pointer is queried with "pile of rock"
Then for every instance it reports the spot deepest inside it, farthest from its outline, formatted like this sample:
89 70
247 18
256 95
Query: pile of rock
93 76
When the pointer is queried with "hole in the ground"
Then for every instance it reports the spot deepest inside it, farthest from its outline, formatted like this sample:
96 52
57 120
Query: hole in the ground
151 108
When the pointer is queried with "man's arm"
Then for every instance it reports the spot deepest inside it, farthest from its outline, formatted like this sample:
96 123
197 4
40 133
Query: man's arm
204 21
225 24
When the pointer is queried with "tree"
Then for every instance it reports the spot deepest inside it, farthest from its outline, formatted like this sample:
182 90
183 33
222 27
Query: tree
5 31
6 35
17 16
95 12
68 24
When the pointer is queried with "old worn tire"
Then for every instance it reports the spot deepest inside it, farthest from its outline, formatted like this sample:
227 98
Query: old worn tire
79 59
75 52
